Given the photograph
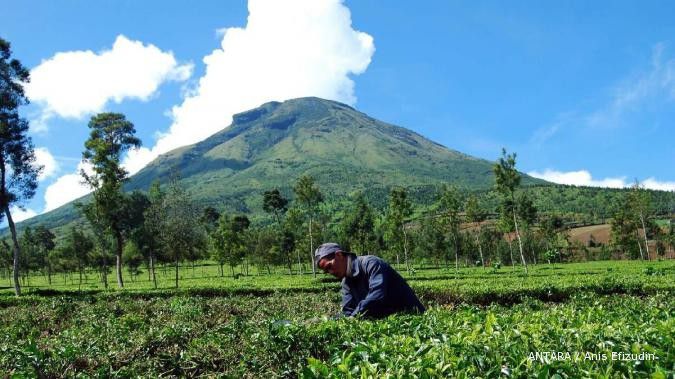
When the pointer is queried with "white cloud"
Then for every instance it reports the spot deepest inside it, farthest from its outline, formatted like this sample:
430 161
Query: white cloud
19 214
76 83
288 49
657 84
66 188
652 183
578 178
45 158
584 178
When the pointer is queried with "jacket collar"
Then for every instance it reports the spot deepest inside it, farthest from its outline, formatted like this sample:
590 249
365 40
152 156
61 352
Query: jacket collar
354 270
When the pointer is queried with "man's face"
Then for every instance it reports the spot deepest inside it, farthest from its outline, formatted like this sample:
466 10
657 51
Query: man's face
335 264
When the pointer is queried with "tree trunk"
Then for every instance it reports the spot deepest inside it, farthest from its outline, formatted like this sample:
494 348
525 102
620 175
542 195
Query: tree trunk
520 242
405 249
105 271
513 264
644 230
176 266
299 263
311 246
640 245
49 274
222 271
118 259
480 250
456 256
17 251
152 269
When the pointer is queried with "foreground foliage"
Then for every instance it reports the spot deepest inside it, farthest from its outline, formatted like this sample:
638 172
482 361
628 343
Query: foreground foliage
481 323
242 336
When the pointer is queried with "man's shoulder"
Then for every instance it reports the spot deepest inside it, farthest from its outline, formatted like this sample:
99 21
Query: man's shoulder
370 258
366 261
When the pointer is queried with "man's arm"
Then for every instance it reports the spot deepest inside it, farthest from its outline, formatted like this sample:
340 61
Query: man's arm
376 289
348 302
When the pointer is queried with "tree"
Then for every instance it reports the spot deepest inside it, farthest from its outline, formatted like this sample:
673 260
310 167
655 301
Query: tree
152 231
395 234
432 242
111 135
639 202
230 241
358 225
18 168
6 258
527 212
275 203
79 246
625 229
209 218
179 224
45 241
133 257
550 230
507 179
309 196
29 252
476 214
449 207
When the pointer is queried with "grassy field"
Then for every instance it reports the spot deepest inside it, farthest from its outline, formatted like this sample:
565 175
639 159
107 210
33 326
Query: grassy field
574 320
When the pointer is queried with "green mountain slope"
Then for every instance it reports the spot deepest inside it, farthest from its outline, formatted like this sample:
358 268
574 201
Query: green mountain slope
271 146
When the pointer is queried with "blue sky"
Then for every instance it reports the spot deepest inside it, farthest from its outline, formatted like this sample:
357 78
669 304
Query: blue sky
583 91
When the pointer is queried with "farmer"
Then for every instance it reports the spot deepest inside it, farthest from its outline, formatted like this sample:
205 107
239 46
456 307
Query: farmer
370 287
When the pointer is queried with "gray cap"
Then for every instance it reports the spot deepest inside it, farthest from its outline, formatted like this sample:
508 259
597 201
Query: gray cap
325 250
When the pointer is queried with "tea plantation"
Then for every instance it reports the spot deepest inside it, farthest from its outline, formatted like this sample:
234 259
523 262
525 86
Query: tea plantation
599 319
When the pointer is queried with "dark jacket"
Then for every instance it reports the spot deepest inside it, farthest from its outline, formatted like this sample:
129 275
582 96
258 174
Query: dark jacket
374 289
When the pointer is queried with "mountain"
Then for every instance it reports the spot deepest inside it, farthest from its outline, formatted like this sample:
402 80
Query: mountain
272 145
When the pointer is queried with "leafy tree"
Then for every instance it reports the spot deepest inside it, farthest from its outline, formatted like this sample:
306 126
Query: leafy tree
45 241
395 234
111 135
527 213
624 229
507 179
29 252
180 224
18 168
449 207
78 248
476 214
639 202
432 242
504 226
6 258
551 229
275 203
209 218
36 245
309 196
230 240
358 226
133 258
151 235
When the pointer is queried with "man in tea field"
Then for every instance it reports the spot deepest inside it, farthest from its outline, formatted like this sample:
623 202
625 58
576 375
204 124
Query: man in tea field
370 286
